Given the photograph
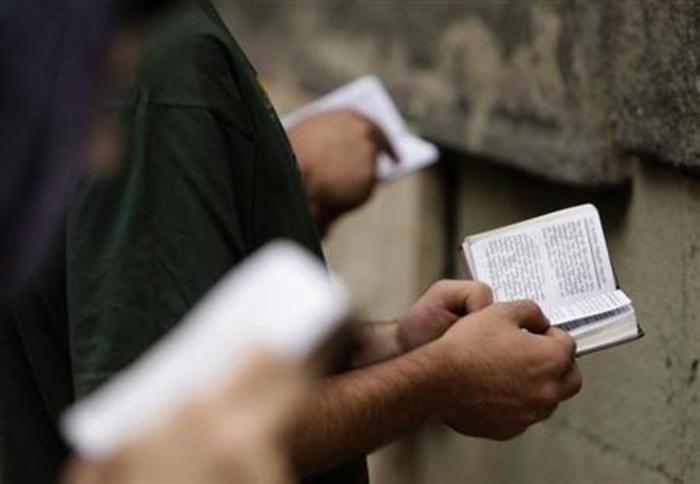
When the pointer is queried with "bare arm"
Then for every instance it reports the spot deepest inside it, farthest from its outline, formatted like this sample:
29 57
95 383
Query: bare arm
359 411
337 153
440 307
484 377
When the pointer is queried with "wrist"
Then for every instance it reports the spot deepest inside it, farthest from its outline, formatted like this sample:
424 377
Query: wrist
438 378
379 341
312 185
448 376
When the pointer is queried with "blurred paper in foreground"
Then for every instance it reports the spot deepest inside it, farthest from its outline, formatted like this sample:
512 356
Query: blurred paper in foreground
368 97
281 299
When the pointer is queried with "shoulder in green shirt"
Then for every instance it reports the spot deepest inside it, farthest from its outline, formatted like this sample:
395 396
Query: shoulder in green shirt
208 178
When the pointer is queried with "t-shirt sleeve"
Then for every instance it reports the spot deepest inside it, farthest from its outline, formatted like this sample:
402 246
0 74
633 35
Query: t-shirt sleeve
145 245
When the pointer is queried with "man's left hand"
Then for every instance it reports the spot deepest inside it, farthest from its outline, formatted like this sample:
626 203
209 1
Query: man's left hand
439 308
445 303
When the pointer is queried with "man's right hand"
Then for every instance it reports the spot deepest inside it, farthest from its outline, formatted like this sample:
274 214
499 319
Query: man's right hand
337 152
505 368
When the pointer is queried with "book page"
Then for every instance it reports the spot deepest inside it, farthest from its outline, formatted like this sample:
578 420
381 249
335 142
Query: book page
368 97
554 260
589 310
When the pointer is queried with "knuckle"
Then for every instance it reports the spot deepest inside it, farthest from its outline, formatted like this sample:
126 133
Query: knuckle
502 311
483 289
567 341
548 395
531 308
570 345
561 359
526 309
561 356
568 352
576 381
508 309
440 286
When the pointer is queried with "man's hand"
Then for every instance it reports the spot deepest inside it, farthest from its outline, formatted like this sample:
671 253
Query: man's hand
337 153
491 374
506 368
439 308
235 433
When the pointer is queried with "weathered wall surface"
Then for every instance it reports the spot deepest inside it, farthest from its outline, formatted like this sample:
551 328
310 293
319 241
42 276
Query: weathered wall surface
561 97
638 417
566 89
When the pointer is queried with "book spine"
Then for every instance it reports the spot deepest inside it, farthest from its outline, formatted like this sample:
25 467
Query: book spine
465 261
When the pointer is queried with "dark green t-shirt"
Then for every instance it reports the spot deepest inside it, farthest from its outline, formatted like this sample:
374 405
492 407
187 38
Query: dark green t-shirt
209 177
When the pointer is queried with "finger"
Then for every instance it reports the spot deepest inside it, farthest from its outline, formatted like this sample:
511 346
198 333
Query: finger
565 340
463 297
382 143
571 383
528 315
477 296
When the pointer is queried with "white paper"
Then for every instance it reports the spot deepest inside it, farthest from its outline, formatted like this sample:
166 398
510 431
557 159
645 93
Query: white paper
281 299
553 260
368 97
604 303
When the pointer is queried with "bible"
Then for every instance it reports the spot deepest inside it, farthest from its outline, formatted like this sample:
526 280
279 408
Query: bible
560 261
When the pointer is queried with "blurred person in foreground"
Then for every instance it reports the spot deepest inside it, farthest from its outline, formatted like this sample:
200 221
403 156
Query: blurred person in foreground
231 434
58 57
208 177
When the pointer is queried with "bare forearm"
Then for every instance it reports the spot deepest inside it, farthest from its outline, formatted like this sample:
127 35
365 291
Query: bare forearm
377 342
356 412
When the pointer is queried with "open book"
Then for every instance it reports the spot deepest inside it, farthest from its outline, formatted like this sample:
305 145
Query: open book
368 97
281 299
560 261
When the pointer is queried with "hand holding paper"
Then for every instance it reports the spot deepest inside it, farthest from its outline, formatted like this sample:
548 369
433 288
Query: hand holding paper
337 151
234 432
281 299
368 97
561 261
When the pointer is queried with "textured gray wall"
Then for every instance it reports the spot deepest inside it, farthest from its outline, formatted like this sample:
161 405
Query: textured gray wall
637 419
565 89
555 99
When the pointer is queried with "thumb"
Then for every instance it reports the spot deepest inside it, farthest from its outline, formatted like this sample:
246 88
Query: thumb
477 296
462 297
381 141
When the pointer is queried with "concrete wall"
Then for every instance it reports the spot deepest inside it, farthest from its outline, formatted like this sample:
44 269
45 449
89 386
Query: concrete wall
638 417
549 104
566 89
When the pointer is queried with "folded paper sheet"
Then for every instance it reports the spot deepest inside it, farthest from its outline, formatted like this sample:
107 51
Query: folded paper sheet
368 97
281 299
